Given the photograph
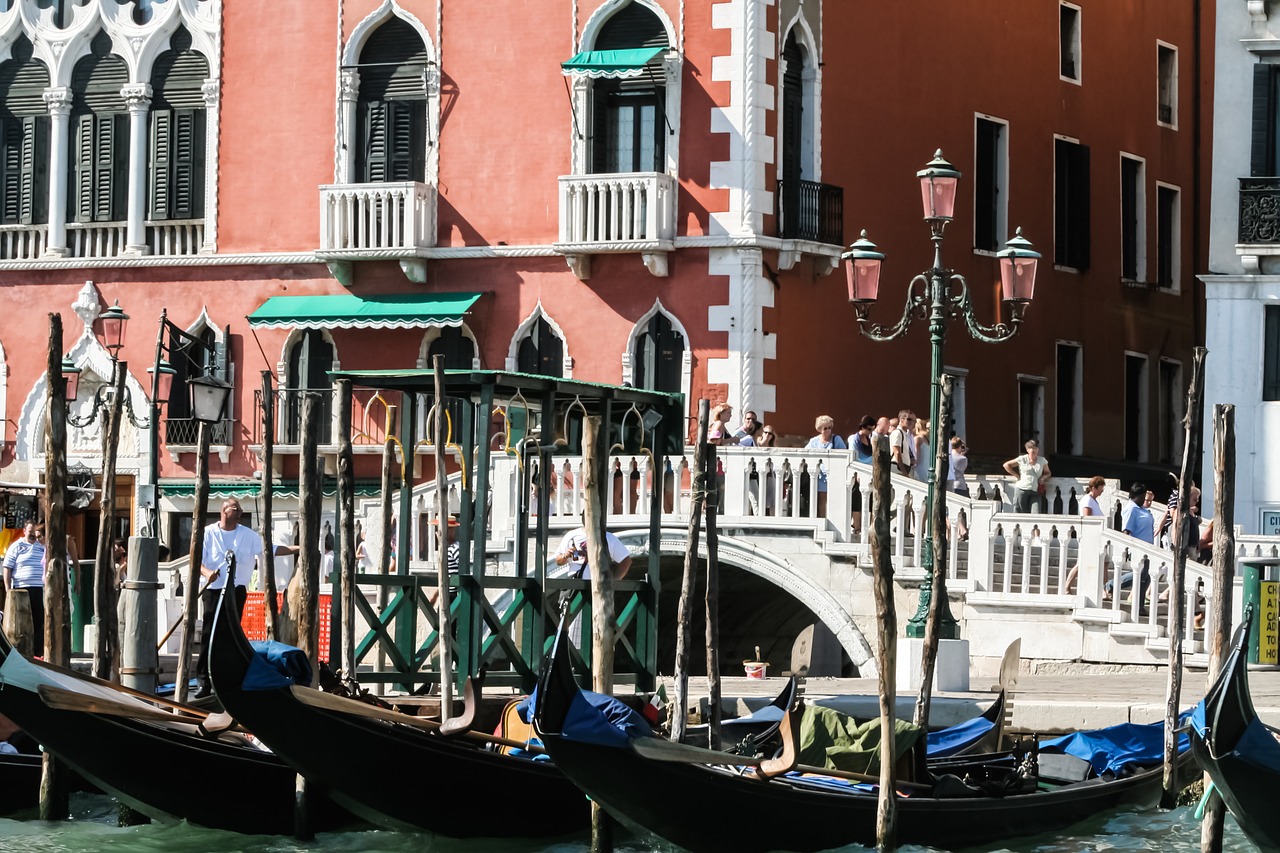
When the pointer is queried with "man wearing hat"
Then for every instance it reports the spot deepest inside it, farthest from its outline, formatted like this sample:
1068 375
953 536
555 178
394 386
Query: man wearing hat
453 551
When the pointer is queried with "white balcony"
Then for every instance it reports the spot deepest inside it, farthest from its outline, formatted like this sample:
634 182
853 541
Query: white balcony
626 212
364 222
170 237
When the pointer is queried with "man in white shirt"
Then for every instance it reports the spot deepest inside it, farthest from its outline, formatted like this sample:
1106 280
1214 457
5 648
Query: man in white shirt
902 443
573 549
223 536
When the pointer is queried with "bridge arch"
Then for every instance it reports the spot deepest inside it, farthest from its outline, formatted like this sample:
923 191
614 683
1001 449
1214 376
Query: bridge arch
777 570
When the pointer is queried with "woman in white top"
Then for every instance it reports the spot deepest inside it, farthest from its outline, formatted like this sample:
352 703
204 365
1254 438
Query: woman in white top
1090 509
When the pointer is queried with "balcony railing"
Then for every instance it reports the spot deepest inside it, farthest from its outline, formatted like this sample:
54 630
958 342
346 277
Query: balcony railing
102 239
807 210
376 220
1259 210
611 211
185 432
176 236
22 242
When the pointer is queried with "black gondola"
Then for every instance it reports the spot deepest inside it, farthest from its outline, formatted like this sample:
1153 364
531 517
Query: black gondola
741 812
1236 749
169 771
393 774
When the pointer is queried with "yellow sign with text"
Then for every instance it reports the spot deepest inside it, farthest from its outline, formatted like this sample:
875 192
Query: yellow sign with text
1269 629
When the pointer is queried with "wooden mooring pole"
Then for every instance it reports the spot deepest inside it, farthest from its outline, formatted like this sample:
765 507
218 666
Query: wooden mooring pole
1218 625
442 552
195 552
887 650
347 529
1177 581
603 619
680 700
938 531
713 604
106 648
268 493
55 794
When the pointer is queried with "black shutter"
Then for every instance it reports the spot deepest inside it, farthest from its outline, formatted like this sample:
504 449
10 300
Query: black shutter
986 186
1262 159
1078 223
1129 191
406 140
1271 354
599 126
35 170
550 350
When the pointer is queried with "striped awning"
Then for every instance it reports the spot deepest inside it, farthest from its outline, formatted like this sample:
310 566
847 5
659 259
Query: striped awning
614 64
348 311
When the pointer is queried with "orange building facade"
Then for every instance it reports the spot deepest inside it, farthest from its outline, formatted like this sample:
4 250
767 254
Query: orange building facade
647 191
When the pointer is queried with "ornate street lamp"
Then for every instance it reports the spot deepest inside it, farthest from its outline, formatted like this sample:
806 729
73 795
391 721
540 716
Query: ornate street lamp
939 295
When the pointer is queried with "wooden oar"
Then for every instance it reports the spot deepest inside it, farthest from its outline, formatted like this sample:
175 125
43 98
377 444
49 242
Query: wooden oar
341 704
178 621
661 749
120 688
69 700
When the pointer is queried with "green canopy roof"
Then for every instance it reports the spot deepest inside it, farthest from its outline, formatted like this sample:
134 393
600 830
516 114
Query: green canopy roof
219 489
348 311
611 63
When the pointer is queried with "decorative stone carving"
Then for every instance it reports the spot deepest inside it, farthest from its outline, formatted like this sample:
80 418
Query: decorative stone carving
211 91
580 265
656 263
137 95
58 100
88 304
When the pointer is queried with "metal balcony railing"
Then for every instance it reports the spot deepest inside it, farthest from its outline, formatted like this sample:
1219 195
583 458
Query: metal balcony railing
186 432
613 210
1259 210
807 210
377 220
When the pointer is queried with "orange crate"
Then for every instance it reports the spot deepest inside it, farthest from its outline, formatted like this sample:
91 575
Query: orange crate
254 618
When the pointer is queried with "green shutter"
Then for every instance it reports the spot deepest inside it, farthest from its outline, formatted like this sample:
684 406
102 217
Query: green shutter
81 197
35 169
188 164
161 155
374 149
10 171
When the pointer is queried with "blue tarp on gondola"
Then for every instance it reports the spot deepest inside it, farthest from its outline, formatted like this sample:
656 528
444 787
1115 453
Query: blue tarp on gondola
595 718
275 665
1114 748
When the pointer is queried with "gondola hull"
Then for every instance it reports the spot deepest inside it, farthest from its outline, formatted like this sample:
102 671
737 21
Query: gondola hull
393 775
706 808
1237 750
167 772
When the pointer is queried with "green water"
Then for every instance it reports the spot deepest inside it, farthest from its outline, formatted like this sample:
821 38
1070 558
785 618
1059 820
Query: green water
93 829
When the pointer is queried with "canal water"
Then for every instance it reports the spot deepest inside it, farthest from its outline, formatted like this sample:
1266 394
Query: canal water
93 830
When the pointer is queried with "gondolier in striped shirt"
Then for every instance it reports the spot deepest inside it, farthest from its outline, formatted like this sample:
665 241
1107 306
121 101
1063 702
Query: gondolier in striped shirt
24 569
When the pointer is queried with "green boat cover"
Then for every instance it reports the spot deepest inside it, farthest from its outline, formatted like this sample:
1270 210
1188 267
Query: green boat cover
838 741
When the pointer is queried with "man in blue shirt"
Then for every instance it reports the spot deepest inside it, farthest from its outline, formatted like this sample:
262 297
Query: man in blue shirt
1136 521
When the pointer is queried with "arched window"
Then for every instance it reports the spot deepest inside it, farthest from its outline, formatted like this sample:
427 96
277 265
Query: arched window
24 138
201 354
629 119
658 356
392 108
176 174
310 360
541 350
99 136
459 351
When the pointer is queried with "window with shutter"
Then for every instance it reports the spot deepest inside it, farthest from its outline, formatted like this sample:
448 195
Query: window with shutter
541 351
658 356
628 122
1271 354
24 137
1132 220
99 165
1264 138
392 106
310 360
177 164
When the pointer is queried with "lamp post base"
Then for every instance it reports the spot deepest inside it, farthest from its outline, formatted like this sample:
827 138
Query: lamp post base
949 629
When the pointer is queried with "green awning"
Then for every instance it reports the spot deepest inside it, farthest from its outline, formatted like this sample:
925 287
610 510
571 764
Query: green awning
611 63
348 311
221 489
